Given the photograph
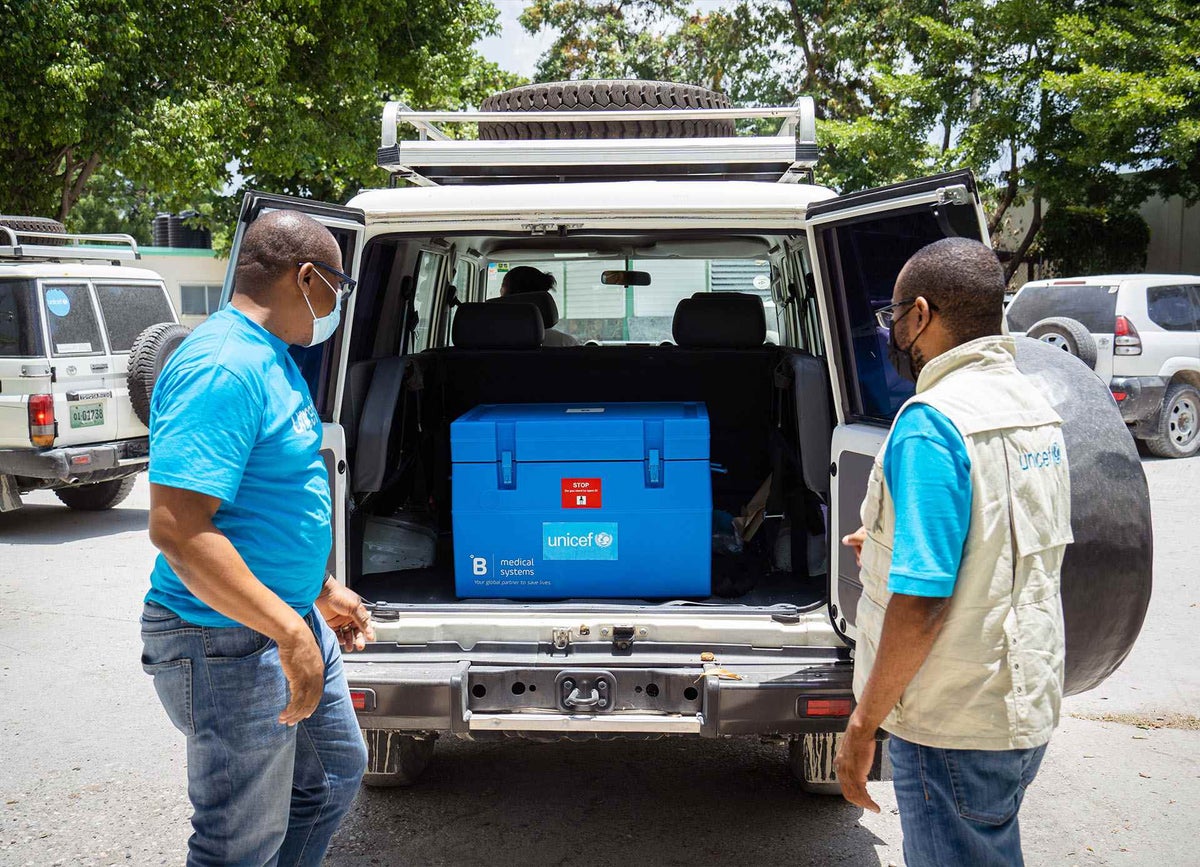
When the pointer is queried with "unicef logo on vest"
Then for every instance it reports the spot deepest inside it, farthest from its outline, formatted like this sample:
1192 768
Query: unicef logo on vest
1049 457
578 541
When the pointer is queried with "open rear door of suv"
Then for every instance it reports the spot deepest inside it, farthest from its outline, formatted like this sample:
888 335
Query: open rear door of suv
858 244
319 364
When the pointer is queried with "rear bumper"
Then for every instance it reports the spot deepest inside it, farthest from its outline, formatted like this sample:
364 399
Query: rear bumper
77 462
1143 396
473 700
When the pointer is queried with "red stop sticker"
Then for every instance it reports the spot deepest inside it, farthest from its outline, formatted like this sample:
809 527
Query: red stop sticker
581 493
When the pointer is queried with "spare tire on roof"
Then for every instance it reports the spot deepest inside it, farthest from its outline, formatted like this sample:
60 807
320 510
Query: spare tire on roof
604 95
34 224
147 358
1106 574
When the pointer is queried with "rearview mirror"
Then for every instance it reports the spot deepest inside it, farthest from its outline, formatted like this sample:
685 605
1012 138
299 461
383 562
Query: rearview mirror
625 278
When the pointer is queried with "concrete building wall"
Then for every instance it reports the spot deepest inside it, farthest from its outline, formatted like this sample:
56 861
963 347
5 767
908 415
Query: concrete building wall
193 277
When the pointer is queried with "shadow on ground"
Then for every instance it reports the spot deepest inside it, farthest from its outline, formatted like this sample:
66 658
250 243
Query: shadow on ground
37 524
617 802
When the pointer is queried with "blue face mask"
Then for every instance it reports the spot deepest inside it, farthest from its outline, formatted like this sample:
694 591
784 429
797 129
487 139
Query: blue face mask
324 326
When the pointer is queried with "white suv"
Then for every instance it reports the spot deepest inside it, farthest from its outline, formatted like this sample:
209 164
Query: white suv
74 324
1140 333
665 246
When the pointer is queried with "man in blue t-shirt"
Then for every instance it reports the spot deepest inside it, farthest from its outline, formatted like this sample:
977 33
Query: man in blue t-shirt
242 623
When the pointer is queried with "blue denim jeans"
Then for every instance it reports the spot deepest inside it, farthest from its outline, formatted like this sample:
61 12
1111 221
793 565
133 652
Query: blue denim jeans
960 806
262 793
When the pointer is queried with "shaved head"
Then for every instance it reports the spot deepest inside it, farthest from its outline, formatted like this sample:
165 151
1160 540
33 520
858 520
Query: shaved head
964 281
276 243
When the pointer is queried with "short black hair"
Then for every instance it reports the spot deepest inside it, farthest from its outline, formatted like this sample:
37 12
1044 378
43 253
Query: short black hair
964 280
275 243
524 278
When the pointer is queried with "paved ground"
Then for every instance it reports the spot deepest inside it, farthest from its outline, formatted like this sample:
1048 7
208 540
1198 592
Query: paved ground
92 773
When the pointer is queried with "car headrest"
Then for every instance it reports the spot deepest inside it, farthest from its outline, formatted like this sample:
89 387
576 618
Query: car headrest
720 320
544 302
497 326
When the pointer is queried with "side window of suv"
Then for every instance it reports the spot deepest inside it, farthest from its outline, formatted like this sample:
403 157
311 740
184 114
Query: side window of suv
1171 308
20 333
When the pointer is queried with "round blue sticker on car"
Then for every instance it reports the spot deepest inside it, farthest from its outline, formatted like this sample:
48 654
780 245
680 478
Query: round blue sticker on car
57 302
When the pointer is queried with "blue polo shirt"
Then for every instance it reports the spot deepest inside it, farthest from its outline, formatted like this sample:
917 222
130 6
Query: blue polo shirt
232 417
928 473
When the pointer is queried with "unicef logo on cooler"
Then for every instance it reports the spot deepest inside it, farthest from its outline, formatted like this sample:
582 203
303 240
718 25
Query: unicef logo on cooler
563 540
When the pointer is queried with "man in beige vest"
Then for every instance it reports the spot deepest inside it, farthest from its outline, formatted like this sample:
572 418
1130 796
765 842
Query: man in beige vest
966 518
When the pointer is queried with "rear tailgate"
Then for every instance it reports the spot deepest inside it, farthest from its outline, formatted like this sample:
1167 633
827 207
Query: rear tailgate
1092 305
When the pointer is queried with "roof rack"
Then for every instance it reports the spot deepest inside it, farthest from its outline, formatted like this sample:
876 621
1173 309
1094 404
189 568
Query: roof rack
436 159
110 248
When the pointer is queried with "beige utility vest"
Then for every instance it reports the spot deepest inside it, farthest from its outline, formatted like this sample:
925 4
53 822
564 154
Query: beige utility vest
993 679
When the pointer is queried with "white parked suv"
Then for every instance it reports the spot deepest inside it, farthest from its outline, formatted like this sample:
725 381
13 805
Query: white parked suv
1140 333
666 244
81 337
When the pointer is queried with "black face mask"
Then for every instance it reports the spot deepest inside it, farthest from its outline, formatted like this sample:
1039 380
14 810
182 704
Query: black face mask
901 359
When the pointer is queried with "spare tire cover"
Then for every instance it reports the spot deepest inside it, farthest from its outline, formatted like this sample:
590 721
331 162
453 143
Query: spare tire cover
1106 574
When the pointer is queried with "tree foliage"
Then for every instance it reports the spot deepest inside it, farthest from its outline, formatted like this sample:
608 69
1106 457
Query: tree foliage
175 104
1083 240
1053 103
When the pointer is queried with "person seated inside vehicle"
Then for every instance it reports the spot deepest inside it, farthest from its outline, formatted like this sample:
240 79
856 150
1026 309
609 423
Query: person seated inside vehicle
525 280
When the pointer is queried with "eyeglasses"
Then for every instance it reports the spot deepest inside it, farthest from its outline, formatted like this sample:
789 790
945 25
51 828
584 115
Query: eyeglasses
886 316
346 283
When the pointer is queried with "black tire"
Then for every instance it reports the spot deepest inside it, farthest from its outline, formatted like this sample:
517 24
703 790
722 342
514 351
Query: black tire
1177 433
604 95
395 760
146 360
97 496
35 224
1069 335
799 765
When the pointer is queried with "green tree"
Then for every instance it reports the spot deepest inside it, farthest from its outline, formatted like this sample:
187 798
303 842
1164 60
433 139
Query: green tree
168 98
1051 103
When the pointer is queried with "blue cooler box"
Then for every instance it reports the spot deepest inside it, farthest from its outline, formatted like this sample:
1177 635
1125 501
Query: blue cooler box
582 500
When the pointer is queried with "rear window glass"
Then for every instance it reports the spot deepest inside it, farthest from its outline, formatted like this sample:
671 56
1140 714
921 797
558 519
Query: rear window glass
129 309
71 319
1093 306
20 330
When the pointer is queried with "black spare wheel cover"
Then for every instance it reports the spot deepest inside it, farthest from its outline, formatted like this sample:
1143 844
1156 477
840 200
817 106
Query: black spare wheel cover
149 354
1106 575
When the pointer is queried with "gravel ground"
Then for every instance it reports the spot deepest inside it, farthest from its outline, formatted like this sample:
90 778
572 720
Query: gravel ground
91 772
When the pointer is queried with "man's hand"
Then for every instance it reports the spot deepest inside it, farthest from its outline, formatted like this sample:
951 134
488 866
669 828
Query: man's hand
853 763
855 540
346 615
304 668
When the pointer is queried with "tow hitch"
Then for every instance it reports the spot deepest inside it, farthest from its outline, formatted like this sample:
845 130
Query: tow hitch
585 691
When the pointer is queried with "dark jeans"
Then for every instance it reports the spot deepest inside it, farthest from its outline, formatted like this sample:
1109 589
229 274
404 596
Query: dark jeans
263 793
960 806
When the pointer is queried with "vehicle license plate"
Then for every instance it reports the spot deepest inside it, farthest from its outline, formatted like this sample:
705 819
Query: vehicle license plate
87 414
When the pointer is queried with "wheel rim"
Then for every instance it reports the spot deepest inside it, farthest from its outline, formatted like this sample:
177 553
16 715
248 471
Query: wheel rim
1183 423
1056 340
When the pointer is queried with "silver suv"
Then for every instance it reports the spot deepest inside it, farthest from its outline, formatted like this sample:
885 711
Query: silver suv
1140 333
78 328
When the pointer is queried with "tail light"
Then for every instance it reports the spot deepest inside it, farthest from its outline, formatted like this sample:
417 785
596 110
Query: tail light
41 419
828 707
1126 340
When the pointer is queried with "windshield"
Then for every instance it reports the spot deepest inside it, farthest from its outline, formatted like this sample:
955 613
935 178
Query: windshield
590 310
1093 306
131 308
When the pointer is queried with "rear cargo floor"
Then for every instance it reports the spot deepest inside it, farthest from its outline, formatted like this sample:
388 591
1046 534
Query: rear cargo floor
435 587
